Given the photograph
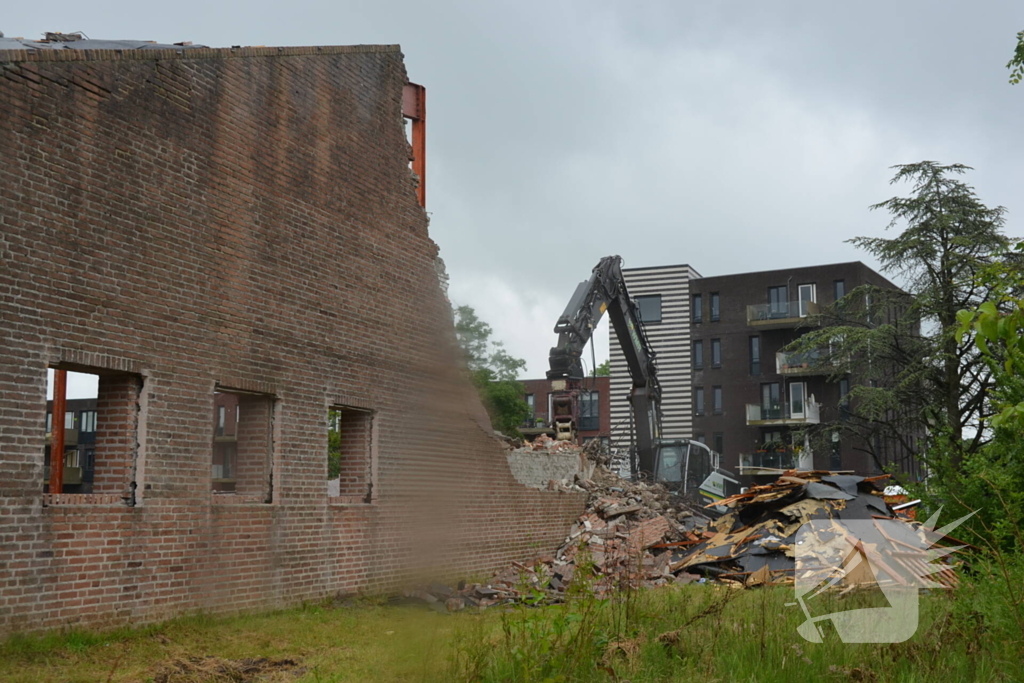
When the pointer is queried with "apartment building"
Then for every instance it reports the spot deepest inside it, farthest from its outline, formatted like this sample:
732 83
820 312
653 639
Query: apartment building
743 395
663 296
594 419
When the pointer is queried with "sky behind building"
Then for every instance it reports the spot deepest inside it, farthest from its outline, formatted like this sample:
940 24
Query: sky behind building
730 137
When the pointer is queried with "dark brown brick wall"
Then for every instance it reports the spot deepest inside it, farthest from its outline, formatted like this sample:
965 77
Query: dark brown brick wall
241 218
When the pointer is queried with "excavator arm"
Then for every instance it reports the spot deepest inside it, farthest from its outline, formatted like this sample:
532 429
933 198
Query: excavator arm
606 291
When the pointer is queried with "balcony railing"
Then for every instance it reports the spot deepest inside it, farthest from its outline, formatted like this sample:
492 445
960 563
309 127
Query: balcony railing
780 313
813 362
783 413
769 460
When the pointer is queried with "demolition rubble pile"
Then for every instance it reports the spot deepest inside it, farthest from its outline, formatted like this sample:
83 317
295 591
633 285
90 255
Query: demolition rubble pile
756 541
621 537
641 536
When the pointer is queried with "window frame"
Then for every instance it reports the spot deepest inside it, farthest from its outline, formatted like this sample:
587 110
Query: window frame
697 308
754 350
697 359
639 307
717 400
698 401
716 353
593 400
716 310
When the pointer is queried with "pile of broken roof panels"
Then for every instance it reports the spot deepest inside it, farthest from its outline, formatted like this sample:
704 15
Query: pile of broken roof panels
756 541
642 536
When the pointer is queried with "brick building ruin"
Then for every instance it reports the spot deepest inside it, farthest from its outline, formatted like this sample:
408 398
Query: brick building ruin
192 223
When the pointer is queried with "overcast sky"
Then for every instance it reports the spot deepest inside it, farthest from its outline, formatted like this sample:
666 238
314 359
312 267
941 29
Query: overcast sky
730 136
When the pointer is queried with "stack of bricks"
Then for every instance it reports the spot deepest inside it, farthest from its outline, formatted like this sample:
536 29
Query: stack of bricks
240 218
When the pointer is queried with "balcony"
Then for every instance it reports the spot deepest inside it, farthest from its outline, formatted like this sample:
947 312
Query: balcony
763 462
783 414
813 362
70 437
781 314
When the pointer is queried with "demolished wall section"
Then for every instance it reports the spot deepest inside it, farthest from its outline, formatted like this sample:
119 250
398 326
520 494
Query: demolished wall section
243 219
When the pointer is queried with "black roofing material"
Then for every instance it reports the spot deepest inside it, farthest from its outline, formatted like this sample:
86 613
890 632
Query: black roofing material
87 44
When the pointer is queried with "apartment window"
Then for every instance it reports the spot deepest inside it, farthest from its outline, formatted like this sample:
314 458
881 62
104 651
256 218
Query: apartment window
697 308
772 437
844 401
531 401
716 400
590 416
716 353
650 308
778 302
242 444
755 355
698 400
698 354
808 296
99 436
350 455
715 313
719 440
771 401
700 438
839 289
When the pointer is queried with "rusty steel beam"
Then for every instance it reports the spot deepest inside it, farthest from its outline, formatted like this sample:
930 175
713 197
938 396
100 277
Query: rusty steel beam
414 108
60 401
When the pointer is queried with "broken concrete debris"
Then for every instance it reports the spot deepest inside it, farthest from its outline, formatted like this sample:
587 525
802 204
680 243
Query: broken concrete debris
640 535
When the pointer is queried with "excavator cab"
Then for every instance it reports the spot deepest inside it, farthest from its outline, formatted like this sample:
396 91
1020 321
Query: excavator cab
692 469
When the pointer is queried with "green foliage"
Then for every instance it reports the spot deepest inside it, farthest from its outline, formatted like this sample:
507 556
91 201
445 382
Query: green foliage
493 371
716 633
333 446
1016 63
910 370
997 328
604 369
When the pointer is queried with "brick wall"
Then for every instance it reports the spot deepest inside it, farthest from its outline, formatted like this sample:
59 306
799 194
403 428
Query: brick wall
117 399
239 218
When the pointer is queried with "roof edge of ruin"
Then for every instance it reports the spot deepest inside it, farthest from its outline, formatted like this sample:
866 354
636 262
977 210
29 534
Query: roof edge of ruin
73 55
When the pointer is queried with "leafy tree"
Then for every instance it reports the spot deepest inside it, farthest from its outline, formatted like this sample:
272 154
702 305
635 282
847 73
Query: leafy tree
333 445
911 370
1016 63
493 371
604 369
991 481
997 329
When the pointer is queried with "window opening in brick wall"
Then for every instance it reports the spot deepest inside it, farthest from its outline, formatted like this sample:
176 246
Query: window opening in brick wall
101 413
242 444
350 448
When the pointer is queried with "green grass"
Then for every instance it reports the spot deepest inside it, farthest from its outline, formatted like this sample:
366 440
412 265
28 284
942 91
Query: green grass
697 632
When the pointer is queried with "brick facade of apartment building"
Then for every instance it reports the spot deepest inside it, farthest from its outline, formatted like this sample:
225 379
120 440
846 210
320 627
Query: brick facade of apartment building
240 221
594 401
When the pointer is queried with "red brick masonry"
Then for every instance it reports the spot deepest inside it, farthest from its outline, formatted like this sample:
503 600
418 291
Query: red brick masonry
242 218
